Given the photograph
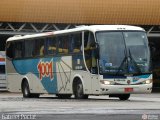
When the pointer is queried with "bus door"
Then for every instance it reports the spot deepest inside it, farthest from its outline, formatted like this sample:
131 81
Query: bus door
90 60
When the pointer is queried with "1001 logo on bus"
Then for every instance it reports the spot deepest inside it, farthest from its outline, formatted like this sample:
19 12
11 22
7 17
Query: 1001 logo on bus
45 69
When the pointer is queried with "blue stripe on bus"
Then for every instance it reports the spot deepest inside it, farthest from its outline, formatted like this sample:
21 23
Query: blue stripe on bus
138 76
112 76
48 81
144 76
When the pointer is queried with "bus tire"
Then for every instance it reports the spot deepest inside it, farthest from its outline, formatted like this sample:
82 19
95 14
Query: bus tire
25 89
78 92
124 96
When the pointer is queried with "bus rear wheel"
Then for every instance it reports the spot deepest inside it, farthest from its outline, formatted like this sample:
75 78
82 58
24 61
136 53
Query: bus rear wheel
124 96
25 89
78 92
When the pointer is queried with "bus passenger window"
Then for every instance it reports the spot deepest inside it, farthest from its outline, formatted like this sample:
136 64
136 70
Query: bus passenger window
63 42
39 49
18 49
51 46
29 47
42 50
77 47
76 43
10 49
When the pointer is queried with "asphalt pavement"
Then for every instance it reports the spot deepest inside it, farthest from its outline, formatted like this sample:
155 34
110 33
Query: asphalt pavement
48 107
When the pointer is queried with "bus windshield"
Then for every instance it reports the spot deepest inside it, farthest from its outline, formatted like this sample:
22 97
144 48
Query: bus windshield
123 52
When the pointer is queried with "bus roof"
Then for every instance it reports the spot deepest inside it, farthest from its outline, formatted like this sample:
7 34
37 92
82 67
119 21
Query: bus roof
92 28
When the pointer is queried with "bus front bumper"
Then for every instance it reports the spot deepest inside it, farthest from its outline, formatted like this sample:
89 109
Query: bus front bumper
125 89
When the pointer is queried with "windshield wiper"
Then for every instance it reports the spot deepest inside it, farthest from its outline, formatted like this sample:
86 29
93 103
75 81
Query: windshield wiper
127 65
134 62
122 63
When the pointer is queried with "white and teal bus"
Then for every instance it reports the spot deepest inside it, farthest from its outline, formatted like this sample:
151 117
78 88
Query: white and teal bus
109 60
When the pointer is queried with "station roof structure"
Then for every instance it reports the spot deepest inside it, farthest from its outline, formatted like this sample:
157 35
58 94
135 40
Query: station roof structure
135 12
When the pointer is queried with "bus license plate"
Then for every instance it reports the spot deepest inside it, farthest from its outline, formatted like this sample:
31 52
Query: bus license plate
128 89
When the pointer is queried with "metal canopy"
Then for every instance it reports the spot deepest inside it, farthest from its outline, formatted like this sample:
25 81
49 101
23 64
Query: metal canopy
8 28
30 28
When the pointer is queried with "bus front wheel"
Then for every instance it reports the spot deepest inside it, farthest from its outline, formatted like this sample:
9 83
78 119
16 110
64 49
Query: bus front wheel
78 92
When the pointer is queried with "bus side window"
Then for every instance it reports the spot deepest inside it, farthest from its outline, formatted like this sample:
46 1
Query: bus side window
29 48
39 49
18 49
77 42
63 42
51 46
10 49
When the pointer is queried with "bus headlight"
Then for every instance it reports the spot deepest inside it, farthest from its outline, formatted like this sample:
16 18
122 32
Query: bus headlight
106 82
147 81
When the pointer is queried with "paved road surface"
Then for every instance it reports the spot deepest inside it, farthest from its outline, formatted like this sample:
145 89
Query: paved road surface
95 108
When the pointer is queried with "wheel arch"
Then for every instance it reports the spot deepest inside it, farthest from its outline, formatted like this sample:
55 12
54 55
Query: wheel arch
77 78
25 78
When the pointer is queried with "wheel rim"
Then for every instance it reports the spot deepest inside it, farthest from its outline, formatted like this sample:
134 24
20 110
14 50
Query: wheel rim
79 90
26 89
